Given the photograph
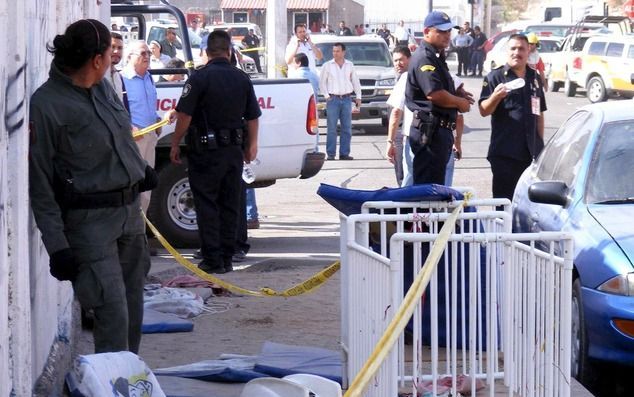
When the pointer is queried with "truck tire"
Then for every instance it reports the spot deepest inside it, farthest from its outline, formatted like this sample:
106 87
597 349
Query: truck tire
570 88
553 86
595 90
172 208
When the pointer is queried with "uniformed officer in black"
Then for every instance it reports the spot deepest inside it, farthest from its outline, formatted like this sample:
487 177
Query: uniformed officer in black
219 113
517 118
431 95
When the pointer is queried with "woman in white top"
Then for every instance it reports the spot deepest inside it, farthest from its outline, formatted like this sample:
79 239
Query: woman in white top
157 60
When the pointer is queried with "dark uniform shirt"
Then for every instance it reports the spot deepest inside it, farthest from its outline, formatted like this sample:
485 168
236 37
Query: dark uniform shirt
513 124
79 134
204 97
428 72
251 41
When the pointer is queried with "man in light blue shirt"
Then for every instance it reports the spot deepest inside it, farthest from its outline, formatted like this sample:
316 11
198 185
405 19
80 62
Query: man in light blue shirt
301 70
463 42
142 98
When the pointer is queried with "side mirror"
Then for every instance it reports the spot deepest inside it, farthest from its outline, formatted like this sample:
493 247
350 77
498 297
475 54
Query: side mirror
549 192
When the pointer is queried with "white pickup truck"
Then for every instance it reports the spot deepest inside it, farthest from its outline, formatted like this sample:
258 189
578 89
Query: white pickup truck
287 142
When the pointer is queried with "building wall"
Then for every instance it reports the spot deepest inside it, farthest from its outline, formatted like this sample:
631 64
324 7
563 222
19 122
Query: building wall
345 10
35 310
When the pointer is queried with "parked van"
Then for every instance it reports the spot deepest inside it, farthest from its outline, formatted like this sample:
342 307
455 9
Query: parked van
605 67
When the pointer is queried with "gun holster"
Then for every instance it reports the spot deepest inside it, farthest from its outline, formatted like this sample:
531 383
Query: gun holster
425 126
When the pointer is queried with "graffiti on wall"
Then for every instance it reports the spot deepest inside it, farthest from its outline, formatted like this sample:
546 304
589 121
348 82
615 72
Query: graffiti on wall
15 100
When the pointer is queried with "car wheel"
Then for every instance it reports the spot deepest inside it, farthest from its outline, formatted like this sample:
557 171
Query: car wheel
595 90
172 208
570 88
385 121
579 365
553 86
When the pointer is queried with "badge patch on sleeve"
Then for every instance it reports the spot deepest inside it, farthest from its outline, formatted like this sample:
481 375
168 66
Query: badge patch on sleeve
427 68
484 83
186 89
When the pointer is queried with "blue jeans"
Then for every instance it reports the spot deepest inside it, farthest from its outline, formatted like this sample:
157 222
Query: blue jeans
252 207
408 160
339 109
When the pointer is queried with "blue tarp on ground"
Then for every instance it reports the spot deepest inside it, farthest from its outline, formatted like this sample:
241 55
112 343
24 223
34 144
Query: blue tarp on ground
232 370
349 201
279 360
157 322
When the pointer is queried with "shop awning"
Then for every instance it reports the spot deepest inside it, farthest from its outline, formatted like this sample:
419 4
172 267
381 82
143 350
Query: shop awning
261 4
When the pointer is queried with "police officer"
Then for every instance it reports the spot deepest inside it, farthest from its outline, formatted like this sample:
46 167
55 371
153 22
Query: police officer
517 118
431 96
85 177
216 103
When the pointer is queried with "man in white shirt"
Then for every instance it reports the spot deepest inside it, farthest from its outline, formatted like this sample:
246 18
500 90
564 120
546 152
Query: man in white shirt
398 152
337 83
301 43
402 34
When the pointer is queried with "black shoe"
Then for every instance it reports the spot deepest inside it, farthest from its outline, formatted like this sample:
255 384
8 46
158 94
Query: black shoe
239 256
207 268
345 157
228 268
198 254
330 158
458 74
480 74
153 251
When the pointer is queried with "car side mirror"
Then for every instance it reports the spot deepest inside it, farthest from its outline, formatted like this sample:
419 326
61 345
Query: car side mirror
549 192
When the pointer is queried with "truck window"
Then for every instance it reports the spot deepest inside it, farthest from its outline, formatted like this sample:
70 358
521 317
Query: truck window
361 54
615 49
630 52
597 48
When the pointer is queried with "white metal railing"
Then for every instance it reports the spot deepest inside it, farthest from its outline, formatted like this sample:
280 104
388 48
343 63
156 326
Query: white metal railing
480 264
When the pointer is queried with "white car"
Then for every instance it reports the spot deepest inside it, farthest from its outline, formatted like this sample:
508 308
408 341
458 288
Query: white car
499 53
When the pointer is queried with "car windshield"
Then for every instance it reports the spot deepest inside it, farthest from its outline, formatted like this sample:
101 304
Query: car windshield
548 45
552 30
361 54
612 167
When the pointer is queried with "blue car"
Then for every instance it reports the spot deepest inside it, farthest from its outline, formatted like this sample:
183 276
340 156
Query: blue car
583 183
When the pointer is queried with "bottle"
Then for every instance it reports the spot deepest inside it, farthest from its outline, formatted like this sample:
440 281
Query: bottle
248 174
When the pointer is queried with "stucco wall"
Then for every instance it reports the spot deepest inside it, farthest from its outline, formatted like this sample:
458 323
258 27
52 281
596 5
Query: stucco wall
35 309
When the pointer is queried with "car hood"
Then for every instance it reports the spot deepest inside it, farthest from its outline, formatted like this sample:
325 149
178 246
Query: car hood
616 220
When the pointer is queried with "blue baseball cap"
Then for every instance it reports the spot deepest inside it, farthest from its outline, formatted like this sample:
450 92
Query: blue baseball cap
440 21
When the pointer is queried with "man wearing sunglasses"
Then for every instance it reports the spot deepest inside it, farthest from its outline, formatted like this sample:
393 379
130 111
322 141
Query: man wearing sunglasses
142 100
431 96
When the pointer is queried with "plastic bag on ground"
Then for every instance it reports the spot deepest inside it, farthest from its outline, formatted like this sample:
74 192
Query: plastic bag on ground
112 374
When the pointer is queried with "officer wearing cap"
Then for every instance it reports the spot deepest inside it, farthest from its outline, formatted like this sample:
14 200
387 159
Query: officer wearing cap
218 111
517 118
431 96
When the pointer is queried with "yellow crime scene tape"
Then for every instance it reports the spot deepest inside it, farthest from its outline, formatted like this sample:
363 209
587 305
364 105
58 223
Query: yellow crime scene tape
405 311
309 285
150 128
253 49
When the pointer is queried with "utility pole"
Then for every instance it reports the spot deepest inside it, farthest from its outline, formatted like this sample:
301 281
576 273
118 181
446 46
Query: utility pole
276 37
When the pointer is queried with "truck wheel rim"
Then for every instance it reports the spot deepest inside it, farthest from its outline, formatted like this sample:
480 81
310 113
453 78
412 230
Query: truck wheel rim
595 91
180 205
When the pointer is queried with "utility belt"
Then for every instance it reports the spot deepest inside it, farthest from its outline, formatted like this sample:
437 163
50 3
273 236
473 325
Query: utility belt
215 138
426 124
115 198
